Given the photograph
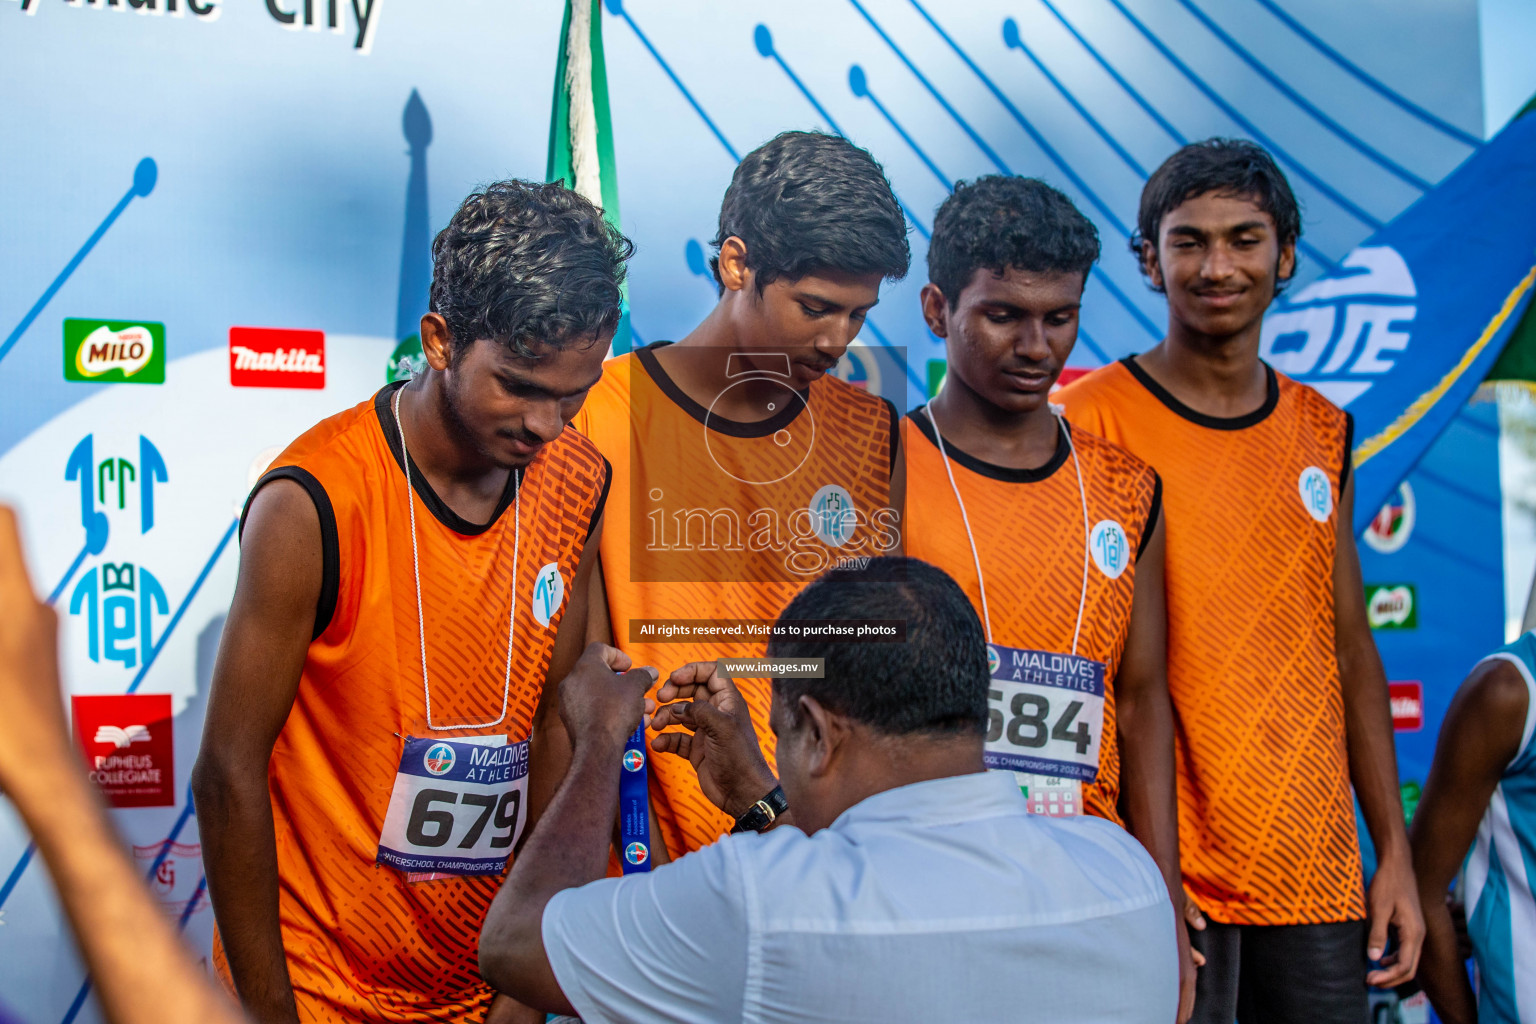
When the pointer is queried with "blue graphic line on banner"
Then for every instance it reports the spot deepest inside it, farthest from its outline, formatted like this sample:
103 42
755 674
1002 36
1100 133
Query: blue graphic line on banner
1385 91
144 176
617 7
1467 419
1420 473
763 40
1014 41
1459 557
1248 126
1055 157
1109 68
1093 346
899 356
181 609
858 84
1323 259
1365 149
69 573
197 897
165 849
17 872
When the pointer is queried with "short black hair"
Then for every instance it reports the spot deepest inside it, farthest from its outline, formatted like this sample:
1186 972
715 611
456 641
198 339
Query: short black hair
1001 221
1228 167
934 682
807 201
528 265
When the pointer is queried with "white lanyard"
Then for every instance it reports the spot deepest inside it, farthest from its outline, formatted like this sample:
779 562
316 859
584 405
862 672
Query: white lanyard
1082 493
421 624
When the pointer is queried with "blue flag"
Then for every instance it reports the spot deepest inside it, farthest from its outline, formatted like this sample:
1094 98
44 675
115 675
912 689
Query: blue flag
1415 316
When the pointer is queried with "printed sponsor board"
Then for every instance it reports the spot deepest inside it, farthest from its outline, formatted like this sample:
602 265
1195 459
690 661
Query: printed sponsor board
274 357
1392 605
129 747
1407 706
114 351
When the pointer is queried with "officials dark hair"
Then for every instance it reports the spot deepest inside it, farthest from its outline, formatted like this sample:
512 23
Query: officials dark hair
1001 221
934 682
528 265
1227 167
805 201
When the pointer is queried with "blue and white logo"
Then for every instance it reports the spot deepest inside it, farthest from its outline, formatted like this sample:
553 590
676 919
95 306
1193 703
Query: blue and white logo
1316 493
439 758
1357 318
994 662
833 516
1109 547
633 760
548 593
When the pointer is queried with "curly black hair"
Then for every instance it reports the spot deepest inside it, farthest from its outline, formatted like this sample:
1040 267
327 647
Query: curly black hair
1228 167
530 266
807 201
1000 221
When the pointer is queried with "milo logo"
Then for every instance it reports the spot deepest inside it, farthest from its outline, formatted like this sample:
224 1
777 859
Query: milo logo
1391 606
114 351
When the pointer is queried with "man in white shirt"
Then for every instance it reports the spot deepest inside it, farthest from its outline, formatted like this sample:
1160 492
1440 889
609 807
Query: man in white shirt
914 886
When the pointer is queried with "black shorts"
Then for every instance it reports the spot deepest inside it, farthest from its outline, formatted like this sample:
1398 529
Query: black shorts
1281 974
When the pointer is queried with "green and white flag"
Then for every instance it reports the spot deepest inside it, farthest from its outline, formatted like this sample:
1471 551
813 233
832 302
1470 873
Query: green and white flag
580 131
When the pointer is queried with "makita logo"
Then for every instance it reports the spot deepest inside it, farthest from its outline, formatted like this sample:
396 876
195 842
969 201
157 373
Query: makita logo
1407 706
267 357
285 360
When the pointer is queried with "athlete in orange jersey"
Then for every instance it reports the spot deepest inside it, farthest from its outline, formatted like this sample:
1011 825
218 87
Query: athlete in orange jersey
741 469
1054 534
412 572
1280 694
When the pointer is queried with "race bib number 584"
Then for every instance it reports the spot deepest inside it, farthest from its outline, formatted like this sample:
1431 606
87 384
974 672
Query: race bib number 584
457 807
1045 713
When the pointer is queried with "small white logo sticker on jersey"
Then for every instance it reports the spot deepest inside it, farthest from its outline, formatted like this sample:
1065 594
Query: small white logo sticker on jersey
1110 548
832 515
548 593
1316 493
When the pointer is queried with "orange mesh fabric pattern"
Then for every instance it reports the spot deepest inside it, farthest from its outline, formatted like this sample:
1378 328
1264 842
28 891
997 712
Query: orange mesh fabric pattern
362 943
716 523
1266 813
1028 526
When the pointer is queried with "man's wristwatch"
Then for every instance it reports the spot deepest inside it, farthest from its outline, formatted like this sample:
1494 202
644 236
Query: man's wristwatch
763 813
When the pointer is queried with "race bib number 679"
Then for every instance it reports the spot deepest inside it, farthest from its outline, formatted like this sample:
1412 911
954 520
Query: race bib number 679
1045 713
457 807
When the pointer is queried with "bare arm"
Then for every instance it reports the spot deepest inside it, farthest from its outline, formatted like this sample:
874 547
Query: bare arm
142 972
549 749
1144 725
255 679
1480 735
1393 899
570 845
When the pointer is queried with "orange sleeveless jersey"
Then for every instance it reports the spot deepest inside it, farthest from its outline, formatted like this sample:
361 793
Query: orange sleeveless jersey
722 523
1029 535
1266 815
362 943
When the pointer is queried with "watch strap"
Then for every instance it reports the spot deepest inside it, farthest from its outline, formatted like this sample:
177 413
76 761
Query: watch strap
762 813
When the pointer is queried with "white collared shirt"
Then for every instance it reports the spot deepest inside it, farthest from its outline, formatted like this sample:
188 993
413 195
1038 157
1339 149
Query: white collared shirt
939 901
